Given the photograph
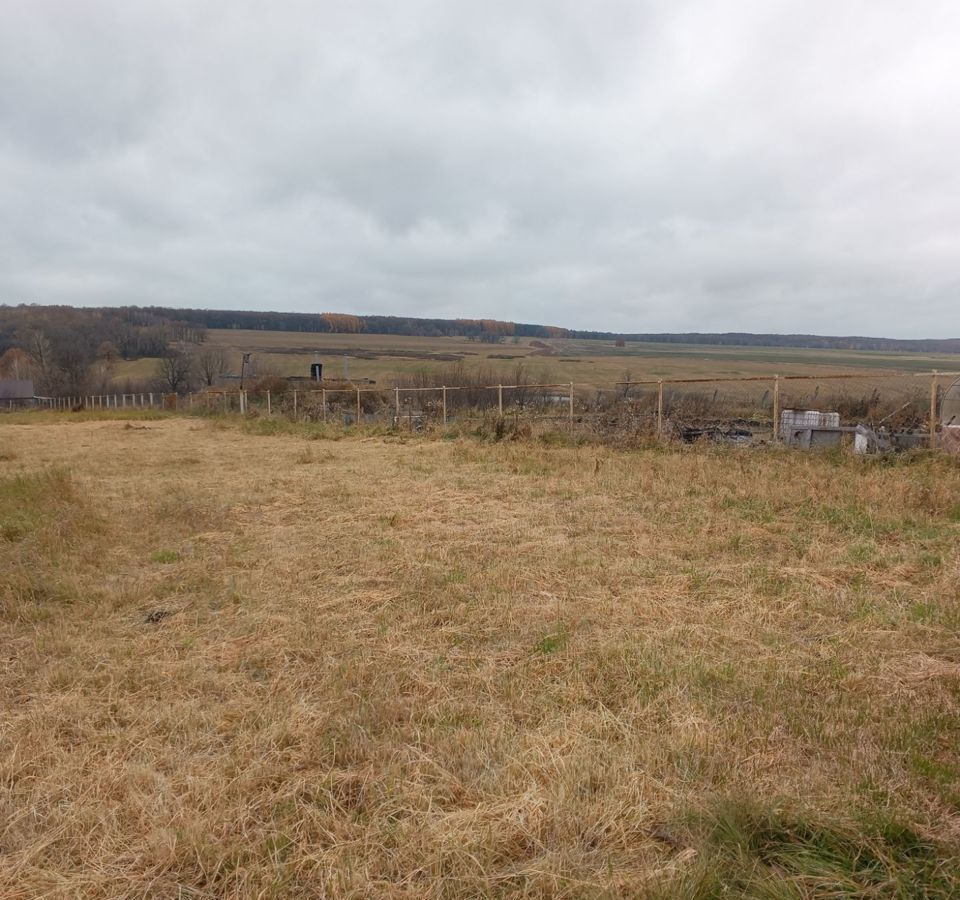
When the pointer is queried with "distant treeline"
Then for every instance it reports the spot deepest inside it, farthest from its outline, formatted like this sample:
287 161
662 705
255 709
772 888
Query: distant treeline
342 323
492 329
805 341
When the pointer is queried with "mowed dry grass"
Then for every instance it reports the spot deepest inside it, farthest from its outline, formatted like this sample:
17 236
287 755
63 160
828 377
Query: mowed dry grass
237 665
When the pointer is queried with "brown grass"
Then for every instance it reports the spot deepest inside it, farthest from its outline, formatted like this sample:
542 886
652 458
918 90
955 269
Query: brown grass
261 666
386 357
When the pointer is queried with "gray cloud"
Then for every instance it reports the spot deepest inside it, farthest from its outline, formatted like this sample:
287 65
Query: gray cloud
635 166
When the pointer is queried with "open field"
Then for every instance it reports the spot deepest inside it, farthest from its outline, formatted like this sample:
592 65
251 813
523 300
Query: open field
244 664
383 357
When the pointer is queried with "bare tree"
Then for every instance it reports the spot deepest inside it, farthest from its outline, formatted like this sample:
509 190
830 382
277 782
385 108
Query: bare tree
17 363
35 342
175 369
211 364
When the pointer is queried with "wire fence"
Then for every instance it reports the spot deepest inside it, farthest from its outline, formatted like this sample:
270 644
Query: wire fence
729 409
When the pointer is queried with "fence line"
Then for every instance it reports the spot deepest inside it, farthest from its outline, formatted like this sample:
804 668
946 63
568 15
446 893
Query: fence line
671 400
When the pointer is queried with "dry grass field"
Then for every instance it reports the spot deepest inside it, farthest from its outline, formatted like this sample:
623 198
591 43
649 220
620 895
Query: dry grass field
302 664
384 357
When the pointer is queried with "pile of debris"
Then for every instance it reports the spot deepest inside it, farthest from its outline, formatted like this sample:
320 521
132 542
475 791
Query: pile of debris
809 429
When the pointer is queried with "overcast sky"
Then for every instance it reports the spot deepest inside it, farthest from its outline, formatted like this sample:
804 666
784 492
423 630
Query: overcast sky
755 165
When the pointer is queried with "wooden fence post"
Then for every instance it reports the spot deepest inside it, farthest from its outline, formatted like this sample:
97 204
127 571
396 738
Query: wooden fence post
294 404
659 407
224 395
269 405
444 389
933 411
151 400
776 408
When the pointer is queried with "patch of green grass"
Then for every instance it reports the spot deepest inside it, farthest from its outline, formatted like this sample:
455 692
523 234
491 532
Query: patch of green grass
56 417
165 556
862 552
749 851
751 509
28 502
552 642
930 560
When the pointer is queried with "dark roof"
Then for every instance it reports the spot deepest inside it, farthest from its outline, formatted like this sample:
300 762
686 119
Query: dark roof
16 389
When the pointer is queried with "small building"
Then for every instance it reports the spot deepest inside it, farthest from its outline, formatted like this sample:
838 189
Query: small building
16 392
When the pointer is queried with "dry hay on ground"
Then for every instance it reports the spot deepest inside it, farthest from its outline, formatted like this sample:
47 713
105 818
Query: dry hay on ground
240 665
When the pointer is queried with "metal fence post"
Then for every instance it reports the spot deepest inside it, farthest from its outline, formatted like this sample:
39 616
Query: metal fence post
776 408
358 406
659 407
571 405
444 389
294 404
396 404
933 411
500 399
323 403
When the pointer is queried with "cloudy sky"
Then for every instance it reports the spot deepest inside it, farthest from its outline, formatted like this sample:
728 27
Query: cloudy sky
757 165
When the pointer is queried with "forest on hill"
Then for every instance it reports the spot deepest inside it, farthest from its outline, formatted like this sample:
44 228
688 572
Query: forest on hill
493 329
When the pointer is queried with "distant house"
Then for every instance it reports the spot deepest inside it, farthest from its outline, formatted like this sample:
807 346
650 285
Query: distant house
16 392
